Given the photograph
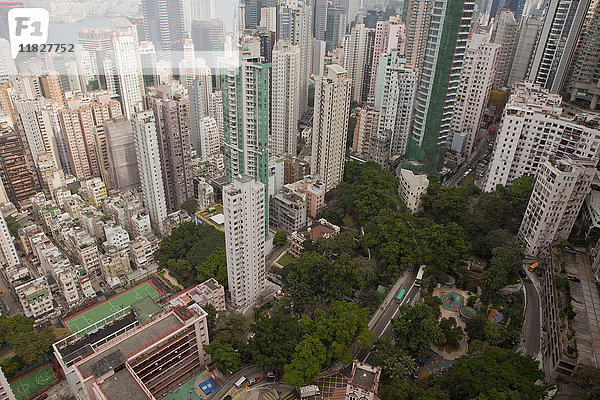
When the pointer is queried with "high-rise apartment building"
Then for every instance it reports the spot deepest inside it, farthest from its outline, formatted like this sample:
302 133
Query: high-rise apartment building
164 26
16 173
295 25
356 59
558 194
244 204
440 76
533 130
478 75
8 253
199 93
556 43
504 33
330 125
417 29
583 84
128 67
527 34
285 97
172 118
394 97
245 92
336 27
389 35
82 125
210 143
149 166
123 171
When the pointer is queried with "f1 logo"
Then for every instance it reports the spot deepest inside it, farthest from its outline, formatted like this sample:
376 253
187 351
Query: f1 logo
27 26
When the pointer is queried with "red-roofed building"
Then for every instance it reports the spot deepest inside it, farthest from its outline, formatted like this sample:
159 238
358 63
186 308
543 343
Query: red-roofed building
319 229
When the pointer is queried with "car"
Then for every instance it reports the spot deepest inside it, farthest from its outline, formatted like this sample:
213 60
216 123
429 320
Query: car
253 381
228 397
271 374
42 397
522 273
573 278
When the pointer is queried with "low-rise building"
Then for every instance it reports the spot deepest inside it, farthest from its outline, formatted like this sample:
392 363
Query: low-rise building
36 299
116 236
411 188
141 251
173 220
294 169
320 229
207 292
287 211
83 248
135 355
68 286
94 191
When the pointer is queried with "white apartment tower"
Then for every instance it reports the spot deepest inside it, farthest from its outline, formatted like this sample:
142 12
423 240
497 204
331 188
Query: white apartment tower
330 125
149 166
533 130
526 38
394 98
244 211
476 79
558 194
504 33
8 253
209 137
295 25
129 68
356 59
285 97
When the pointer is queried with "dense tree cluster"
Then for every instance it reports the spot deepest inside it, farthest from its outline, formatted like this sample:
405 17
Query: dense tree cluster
327 337
187 248
28 344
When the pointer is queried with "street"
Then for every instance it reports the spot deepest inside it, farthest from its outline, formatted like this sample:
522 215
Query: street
383 326
475 156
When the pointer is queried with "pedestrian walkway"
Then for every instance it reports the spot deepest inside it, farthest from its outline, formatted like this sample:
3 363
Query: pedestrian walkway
592 300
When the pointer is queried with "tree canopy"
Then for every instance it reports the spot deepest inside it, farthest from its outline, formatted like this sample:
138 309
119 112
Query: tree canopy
223 355
280 238
215 266
187 247
417 328
274 340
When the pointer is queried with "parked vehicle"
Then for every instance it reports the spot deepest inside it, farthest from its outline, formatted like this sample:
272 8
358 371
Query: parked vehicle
271 374
253 381
240 382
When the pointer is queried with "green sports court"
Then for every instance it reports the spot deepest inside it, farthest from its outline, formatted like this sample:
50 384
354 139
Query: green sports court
34 382
111 306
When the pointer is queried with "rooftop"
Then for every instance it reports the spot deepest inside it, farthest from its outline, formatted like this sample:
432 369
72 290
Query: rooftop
122 385
142 337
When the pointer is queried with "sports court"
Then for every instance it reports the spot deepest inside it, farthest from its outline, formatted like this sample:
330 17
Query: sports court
34 382
111 306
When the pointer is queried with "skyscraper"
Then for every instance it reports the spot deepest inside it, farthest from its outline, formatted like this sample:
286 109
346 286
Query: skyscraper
245 97
296 26
320 19
149 166
583 85
197 10
164 26
527 34
199 92
330 125
417 28
356 59
121 154
128 67
394 98
474 89
244 204
438 83
15 172
389 35
504 33
172 118
556 43
558 194
285 92
336 27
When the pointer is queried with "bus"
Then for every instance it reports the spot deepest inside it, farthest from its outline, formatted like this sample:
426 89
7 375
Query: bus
419 275
400 296
533 266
